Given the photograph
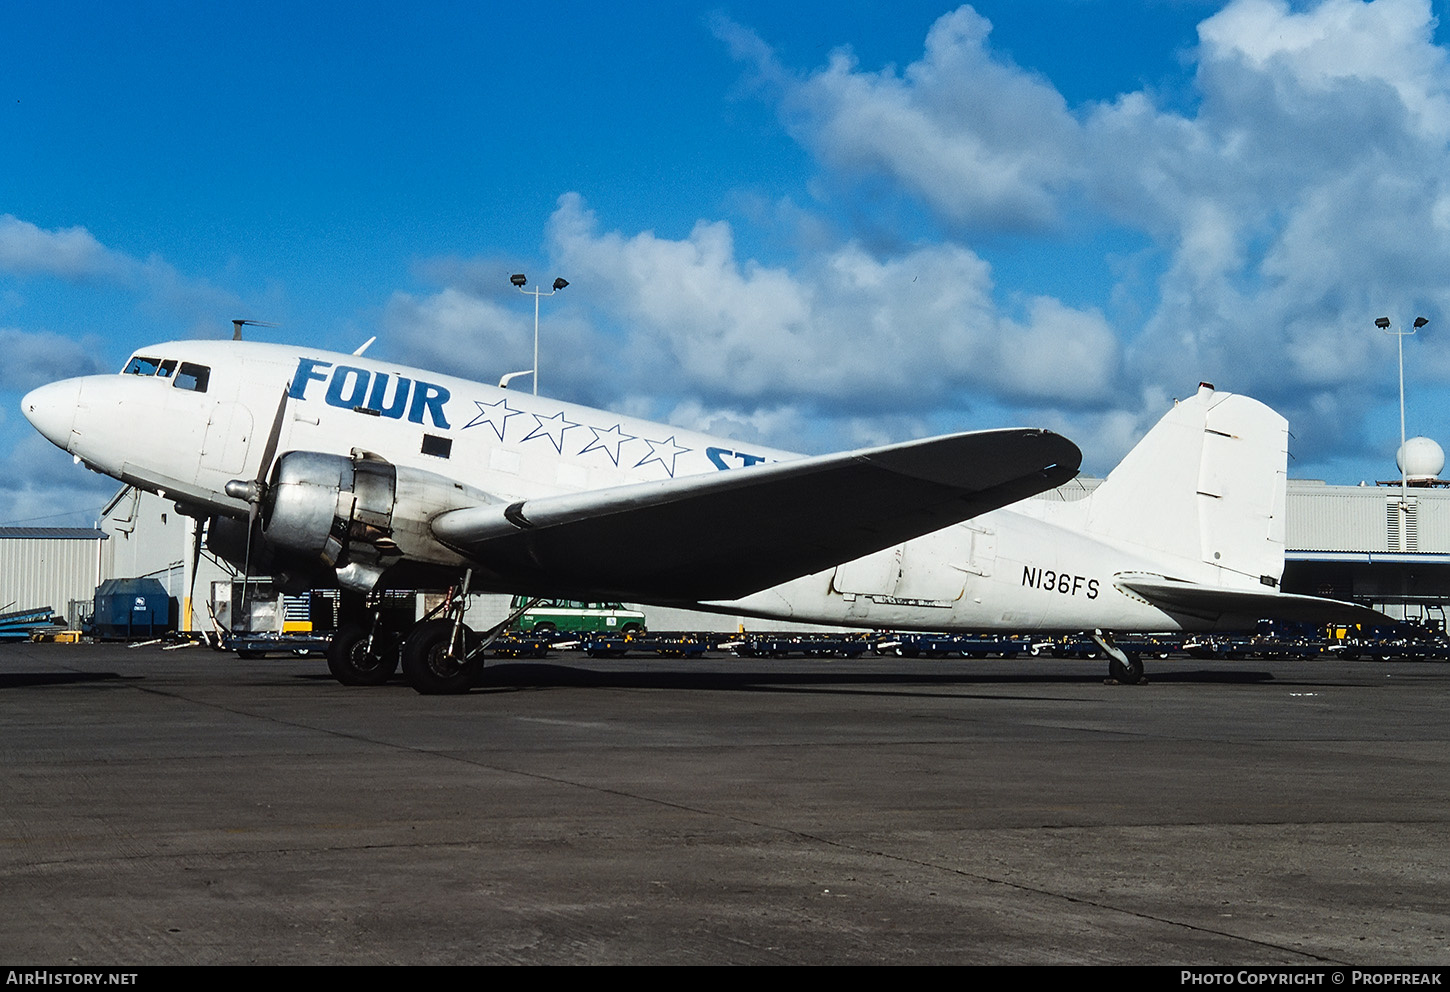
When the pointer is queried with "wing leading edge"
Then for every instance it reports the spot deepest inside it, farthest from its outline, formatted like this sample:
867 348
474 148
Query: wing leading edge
728 534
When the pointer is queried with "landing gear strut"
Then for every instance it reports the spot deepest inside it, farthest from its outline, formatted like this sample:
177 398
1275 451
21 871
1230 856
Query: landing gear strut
440 656
1124 668
362 652
435 657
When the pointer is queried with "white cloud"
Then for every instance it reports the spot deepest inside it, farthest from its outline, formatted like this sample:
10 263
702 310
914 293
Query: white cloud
40 486
1339 43
67 253
1302 195
73 254
846 349
464 332
458 332
35 358
978 139
847 329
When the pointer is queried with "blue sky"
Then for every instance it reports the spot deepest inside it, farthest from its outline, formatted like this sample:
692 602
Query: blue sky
811 225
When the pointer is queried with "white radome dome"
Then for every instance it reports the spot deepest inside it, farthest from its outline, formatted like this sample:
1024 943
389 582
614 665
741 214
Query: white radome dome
1421 459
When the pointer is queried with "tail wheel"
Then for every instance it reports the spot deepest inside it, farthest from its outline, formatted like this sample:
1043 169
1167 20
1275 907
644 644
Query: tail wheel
352 663
429 663
1129 674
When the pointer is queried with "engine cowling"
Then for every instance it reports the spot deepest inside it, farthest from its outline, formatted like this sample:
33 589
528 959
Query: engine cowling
354 516
336 510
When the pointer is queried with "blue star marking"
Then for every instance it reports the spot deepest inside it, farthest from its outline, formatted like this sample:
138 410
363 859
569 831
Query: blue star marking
495 415
552 428
665 452
607 442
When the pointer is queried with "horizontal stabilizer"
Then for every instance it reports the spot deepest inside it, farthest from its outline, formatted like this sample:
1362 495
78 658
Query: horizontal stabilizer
727 534
1241 608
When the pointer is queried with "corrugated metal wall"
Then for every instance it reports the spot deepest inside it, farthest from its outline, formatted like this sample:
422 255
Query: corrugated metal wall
42 571
1336 519
1434 521
1354 518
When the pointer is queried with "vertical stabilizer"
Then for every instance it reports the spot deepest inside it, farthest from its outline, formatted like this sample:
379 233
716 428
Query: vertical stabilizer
1206 485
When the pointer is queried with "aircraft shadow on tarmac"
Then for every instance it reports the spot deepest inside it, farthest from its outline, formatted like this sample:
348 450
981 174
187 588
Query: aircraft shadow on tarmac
25 680
542 675
508 676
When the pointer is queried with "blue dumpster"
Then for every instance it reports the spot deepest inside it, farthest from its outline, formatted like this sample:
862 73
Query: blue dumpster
131 608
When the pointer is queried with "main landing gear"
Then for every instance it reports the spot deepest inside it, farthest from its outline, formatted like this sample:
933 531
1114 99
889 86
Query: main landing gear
1123 668
440 654
364 651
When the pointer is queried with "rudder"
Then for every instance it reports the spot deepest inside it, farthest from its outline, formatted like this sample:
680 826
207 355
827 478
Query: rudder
1205 485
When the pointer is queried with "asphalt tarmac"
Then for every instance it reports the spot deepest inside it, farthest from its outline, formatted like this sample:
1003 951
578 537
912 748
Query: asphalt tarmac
186 807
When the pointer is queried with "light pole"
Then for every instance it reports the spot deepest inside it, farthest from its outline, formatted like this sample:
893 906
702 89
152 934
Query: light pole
1383 323
520 280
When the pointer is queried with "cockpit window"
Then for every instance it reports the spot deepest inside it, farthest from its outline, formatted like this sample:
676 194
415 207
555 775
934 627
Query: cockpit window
193 377
141 366
167 367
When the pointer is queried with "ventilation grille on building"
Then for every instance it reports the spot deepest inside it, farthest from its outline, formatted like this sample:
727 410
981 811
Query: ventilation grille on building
1406 538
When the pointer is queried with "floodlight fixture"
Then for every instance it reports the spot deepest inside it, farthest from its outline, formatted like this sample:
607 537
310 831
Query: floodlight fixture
1383 323
520 280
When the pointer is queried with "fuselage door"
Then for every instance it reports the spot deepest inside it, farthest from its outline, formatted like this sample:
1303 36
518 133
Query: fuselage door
983 553
874 575
228 437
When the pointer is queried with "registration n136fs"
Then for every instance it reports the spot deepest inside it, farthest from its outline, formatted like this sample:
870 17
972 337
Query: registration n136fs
336 470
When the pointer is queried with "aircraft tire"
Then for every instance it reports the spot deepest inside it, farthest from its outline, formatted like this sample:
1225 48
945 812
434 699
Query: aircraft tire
1129 674
426 663
351 664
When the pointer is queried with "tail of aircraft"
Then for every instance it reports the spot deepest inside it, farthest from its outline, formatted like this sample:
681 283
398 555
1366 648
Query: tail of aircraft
1206 485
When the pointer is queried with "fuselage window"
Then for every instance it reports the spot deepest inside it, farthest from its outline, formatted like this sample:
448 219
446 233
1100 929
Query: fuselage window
193 377
141 366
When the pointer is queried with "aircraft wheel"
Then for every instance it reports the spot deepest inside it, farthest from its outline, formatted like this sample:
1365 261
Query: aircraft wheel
1129 674
427 663
350 662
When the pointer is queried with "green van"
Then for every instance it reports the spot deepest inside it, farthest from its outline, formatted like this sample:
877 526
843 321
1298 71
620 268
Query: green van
573 616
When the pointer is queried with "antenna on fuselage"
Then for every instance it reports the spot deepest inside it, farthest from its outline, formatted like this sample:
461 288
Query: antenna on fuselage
237 326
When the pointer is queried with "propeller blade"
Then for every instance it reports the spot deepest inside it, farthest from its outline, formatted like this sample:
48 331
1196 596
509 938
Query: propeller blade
269 450
254 491
196 525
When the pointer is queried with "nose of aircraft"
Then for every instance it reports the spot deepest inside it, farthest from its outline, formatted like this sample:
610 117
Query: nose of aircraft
51 410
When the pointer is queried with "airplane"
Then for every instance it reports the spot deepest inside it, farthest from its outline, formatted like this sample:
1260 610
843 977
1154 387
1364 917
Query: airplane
324 469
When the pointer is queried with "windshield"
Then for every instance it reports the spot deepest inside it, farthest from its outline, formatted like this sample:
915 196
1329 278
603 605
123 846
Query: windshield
192 376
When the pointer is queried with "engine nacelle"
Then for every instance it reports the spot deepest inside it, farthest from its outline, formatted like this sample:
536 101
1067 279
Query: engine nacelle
356 516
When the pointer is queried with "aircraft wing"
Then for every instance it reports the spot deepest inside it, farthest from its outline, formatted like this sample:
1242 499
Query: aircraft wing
727 534
1243 608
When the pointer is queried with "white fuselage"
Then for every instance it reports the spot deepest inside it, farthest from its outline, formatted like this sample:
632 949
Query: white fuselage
1032 567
